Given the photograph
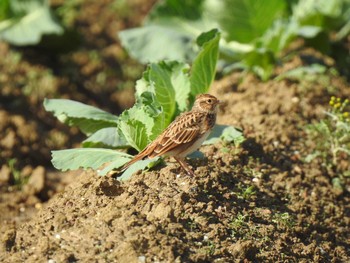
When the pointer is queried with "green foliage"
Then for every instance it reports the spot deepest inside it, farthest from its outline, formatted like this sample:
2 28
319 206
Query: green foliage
225 133
283 220
4 9
72 159
68 11
204 65
254 32
247 20
247 192
87 118
309 73
178 45
238 224
137 123
18 178
166 89
209 247
248 227
25 22
109 137
332 138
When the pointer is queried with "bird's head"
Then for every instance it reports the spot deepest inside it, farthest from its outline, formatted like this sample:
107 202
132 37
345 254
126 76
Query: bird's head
206 102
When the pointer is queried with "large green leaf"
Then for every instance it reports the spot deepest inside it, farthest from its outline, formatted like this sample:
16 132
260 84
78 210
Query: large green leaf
4 9
136 123
246 20
135 133
161 94
165 84
204 66
190 9
89 119
261 62
171 84
94 158
169 32
278 36
27 22
317 13
181 81
226 133
304 73
157 42
106 137
159 76
153 109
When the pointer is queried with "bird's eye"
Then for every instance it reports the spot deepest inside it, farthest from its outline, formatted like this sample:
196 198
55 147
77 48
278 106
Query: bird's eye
210 100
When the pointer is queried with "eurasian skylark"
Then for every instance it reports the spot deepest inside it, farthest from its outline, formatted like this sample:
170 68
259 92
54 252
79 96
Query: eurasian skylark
185 134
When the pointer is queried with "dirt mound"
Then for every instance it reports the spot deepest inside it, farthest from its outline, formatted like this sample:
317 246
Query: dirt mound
259 202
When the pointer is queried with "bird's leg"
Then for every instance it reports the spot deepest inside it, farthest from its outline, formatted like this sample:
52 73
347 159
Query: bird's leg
184 165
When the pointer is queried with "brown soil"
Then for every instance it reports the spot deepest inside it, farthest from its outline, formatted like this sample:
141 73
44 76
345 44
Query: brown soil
259 202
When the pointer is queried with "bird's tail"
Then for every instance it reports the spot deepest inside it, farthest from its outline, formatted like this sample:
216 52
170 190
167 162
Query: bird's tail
132 161
146 152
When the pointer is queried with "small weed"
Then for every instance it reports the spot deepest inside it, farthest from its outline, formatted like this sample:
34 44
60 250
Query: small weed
239 221
283 220
19 180
238 225
251 169
39 84
122 8
68 11
242 227
192 224
208 248
332 138
246 192
225 150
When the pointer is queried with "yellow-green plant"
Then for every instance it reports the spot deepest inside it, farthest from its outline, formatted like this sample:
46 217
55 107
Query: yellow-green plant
331 136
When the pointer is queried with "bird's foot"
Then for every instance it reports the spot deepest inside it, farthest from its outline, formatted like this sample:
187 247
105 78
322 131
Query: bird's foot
185 166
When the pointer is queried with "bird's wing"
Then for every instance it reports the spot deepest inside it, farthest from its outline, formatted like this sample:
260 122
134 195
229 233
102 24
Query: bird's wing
186 128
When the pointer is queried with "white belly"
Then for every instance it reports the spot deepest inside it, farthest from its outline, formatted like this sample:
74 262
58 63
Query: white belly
195 146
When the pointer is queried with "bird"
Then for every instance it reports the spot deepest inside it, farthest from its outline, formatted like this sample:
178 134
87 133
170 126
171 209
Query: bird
184 135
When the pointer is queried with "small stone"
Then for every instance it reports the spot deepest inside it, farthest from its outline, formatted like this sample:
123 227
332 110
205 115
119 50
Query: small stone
9 141
161 212
37 179
141 259
26 171
295 99
38 206
256 180
297 169
5 174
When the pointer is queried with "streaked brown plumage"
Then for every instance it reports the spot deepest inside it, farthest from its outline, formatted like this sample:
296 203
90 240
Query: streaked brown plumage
185 134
